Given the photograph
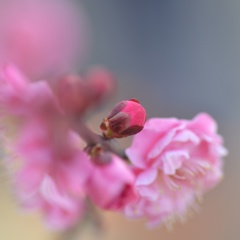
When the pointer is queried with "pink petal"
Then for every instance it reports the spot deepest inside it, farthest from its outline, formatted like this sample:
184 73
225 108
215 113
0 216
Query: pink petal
172 160
187 135
163 142
146 177
203 122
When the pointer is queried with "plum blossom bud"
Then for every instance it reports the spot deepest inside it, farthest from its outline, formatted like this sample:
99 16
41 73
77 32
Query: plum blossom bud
101 82
73 93
127 118
98 155
111 185
77 93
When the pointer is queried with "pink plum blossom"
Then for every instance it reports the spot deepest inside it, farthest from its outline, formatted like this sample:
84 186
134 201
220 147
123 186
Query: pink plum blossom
53 170
53 173
111 184
171 155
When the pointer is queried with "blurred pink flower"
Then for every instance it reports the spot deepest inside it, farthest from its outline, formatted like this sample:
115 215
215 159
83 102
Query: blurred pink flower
60 211
68 94
176 155
53 170
53 173
77 94
43 38
111 184
20 97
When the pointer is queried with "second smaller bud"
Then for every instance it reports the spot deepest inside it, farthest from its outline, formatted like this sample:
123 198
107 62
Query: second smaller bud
127 118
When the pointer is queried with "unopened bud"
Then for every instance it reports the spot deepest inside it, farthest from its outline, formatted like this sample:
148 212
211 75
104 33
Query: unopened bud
98 155
102 82
77 94
127 118
73 93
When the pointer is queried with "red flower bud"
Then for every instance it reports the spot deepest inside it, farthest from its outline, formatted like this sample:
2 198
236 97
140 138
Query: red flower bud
127 118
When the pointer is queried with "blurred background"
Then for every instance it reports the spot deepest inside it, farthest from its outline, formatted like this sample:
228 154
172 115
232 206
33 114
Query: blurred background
178 58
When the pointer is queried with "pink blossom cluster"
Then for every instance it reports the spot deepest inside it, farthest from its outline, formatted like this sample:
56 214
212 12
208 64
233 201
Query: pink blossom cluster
55 174
62 164
172 161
